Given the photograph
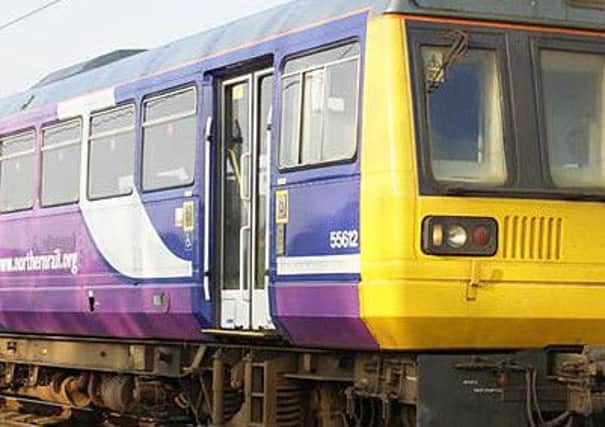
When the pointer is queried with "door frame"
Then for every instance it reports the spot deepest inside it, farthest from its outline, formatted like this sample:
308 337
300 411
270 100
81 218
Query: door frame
254 303
260 316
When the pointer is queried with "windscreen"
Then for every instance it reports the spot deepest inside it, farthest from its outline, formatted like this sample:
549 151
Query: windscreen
464 114
573 86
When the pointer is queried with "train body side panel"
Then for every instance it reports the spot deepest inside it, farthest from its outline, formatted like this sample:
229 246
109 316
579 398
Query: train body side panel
314 284
55 281
316 292
107 267
140 275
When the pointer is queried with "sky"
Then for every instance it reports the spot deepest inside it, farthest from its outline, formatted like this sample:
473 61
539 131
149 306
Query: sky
77 30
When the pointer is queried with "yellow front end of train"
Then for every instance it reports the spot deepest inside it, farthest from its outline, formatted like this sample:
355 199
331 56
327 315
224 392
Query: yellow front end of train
545 283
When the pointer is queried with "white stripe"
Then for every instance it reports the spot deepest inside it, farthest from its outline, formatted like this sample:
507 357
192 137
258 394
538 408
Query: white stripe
128 240
326 264
84 104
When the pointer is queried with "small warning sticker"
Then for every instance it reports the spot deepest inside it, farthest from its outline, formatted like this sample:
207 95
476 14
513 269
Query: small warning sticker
188 216
282 207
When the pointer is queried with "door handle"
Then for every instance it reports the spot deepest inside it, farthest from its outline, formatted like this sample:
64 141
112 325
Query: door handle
208 130
244 189
243 261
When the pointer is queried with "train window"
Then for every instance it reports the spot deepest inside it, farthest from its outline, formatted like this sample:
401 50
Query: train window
61 152
328 56
573 86
169 132
319 108
111 153
465 119
289 153
17 175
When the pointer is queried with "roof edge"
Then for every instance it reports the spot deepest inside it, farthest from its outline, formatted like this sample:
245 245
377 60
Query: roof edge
559 13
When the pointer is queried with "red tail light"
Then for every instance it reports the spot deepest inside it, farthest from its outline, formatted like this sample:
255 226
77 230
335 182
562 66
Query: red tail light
481 236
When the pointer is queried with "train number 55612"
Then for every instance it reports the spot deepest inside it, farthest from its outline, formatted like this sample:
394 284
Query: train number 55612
344 239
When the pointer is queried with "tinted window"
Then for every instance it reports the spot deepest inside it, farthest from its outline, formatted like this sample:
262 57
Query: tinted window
340 116
312 117
323 127
574 95
324 57
169 133
61 157
465 117
111 153
289 153
17 175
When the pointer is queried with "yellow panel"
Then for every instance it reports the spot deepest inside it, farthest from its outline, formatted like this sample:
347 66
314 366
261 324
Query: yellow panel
435 315
546 284
388 167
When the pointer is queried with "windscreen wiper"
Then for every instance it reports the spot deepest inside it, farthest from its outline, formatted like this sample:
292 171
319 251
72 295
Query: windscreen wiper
456 51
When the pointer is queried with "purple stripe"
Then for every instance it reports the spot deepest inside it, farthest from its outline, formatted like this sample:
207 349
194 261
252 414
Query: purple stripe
324 315
115 325
28 119
162 311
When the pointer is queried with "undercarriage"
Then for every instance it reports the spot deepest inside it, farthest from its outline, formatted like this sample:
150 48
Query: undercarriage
63 381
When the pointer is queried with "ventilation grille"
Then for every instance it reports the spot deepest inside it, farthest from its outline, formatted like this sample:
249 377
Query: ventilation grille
531 238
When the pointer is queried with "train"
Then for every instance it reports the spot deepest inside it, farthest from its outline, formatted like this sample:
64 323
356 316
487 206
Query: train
331 213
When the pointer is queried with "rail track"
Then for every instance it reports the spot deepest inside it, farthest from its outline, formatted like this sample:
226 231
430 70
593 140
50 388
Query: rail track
24 412
17 411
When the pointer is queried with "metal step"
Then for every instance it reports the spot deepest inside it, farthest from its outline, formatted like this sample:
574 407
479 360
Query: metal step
268 335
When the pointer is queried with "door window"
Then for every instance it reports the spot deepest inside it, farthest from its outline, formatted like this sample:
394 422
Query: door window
236 186
262 197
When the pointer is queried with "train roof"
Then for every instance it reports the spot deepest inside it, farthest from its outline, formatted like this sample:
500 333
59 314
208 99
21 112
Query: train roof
587 14
583 14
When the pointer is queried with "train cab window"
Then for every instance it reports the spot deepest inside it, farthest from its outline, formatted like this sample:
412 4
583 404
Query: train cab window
573 86
61 151
169 133
320 95
111 153
17 175
464 116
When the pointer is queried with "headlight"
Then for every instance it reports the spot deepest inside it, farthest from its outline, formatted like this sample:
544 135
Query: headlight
470 236
456 236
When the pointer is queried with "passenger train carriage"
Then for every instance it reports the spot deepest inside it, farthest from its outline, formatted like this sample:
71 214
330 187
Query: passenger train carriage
343 212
